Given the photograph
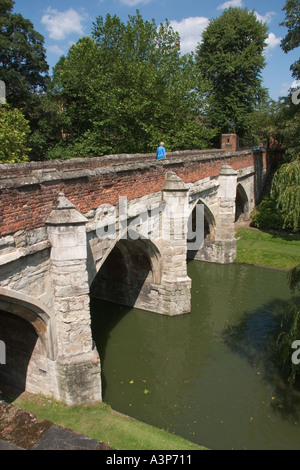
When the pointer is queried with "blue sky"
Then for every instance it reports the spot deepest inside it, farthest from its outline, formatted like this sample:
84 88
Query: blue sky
62 22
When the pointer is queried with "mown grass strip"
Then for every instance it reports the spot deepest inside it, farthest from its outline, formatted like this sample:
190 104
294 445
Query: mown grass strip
267 248
98 421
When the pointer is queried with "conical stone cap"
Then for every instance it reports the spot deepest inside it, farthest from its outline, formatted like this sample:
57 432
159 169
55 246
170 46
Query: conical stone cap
65 213
227 170
174 183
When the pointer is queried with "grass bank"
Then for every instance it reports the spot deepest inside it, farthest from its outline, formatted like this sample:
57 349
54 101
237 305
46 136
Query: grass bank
100 422
275 250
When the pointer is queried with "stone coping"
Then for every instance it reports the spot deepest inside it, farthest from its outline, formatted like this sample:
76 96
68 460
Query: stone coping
35 173
105 159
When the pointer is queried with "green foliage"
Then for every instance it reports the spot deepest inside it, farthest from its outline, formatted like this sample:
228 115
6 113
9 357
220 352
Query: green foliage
266 216
260 124
286 191
290 330
287 127
294 278
14 130
23 65
47 130
292 39
189 136
231 59
126 88
281 209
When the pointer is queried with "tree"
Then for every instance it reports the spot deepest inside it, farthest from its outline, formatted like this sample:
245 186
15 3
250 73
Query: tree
287 127
292 38
77 79
286 192
290 331
231 58
126 88
261 123
14 131
48 129
294 279
281 208
23 66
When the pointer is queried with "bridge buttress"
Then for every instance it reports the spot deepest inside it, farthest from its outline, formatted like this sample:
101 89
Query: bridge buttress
175 284
77 363
225 230
221 245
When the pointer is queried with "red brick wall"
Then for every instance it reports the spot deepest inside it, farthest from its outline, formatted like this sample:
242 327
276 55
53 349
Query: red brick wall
27 196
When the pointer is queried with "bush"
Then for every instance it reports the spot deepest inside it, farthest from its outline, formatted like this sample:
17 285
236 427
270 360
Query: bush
14 131
267 215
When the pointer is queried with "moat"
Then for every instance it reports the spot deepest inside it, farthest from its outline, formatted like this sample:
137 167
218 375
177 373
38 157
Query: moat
208 376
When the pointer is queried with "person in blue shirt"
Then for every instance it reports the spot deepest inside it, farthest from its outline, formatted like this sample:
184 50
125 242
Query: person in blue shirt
161 151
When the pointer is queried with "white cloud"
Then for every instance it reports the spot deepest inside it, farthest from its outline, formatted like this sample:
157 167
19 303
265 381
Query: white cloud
55 50
132 3
267 18
60 24
272 41
190 31
231 3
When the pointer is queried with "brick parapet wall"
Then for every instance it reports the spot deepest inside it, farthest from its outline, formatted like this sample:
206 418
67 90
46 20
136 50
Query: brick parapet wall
28 191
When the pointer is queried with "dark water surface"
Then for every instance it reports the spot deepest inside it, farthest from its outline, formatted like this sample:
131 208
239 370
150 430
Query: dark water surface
208 376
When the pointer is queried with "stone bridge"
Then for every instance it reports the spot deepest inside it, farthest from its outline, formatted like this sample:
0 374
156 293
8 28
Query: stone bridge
119 228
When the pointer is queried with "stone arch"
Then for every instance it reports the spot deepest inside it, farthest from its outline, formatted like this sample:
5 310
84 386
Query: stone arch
241 204
132 265
207 219
26 331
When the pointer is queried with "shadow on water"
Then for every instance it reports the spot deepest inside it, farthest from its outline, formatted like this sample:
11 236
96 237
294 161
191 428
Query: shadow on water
105 316
254 338
211 376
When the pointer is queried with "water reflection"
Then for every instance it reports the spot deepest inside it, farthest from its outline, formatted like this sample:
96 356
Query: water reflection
210 375
254 337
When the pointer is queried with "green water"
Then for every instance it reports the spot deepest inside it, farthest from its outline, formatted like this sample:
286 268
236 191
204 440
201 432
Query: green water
207 376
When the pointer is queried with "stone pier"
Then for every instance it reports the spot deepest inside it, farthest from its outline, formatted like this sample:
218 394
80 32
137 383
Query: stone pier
220 243
175 284
77 362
